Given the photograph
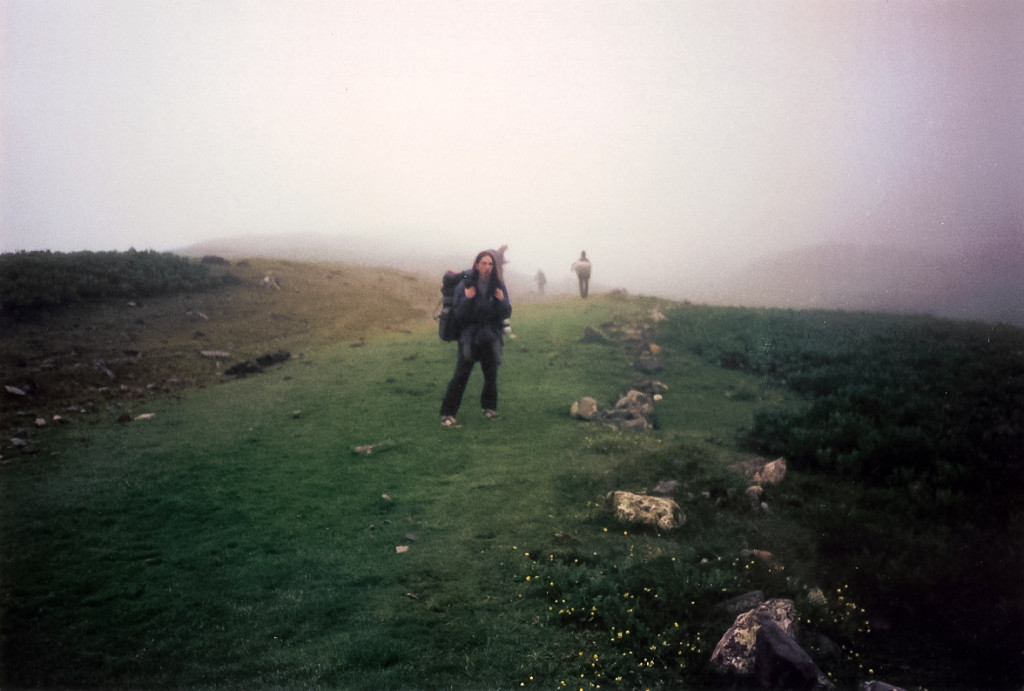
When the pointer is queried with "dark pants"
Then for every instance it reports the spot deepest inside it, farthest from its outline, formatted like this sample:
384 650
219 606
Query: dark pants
584 284
463 368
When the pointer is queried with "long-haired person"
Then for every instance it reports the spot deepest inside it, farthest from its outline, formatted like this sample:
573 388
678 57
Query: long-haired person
480 307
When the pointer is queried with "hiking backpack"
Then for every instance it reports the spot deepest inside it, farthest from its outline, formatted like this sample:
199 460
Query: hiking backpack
447 328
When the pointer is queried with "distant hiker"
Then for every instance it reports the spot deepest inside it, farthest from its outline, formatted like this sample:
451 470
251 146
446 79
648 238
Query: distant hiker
542 281
480 307
582 268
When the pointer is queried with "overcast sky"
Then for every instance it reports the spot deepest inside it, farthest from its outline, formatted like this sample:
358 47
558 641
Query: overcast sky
660 136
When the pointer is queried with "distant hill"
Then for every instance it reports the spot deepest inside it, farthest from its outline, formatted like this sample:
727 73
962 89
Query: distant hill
418 258
986 285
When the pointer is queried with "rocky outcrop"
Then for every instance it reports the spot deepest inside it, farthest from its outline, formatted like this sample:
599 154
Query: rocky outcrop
630 412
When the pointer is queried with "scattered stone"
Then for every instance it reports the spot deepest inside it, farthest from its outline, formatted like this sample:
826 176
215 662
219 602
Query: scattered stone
762 471
584 409
256 366
243 368
40 422
367 449
215 353
15 391
102 368
658 512
402 549
762 555
772 473
630 411
666 487
145 416
651 387
635 404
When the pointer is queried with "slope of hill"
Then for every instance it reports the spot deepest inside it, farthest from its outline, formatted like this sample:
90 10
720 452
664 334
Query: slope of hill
417 257
986 285
117 352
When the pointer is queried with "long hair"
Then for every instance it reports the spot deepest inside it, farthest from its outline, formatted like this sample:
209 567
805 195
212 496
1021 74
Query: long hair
495 281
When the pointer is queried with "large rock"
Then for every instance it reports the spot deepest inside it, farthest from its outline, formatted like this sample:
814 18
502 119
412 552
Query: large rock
735 650
762 643
659 512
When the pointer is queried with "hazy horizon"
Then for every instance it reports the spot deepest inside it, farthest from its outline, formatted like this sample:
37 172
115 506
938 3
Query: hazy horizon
668 139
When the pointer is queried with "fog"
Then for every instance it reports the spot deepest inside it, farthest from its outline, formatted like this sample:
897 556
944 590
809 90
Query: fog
675 141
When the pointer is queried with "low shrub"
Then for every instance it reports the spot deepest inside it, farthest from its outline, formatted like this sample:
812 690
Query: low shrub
33 281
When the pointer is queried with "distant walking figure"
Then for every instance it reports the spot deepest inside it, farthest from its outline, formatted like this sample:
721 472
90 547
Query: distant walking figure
582 268
542 281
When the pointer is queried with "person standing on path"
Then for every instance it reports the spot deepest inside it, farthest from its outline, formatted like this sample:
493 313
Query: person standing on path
480 307
582 268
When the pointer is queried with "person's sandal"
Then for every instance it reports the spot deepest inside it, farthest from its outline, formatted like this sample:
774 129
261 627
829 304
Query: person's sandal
449 421
491 414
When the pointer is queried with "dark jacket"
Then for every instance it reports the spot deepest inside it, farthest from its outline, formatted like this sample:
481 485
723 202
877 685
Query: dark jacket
481 320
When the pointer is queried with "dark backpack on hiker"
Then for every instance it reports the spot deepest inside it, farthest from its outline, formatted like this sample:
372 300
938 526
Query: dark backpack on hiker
447 327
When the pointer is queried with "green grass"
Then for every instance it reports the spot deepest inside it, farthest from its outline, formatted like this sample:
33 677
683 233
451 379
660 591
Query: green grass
229 542
236 540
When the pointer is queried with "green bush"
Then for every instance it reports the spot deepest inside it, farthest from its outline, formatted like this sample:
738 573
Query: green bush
32 281
889 400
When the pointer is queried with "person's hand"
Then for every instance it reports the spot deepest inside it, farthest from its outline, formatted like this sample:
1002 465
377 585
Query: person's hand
499 293
471 292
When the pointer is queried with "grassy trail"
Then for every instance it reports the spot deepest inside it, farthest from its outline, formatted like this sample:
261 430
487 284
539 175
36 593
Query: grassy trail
236 540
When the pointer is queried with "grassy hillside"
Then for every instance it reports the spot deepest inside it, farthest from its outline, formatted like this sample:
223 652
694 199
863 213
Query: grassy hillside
112 354
241 535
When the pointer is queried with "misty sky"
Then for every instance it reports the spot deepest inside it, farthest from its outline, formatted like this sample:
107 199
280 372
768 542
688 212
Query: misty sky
660 136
